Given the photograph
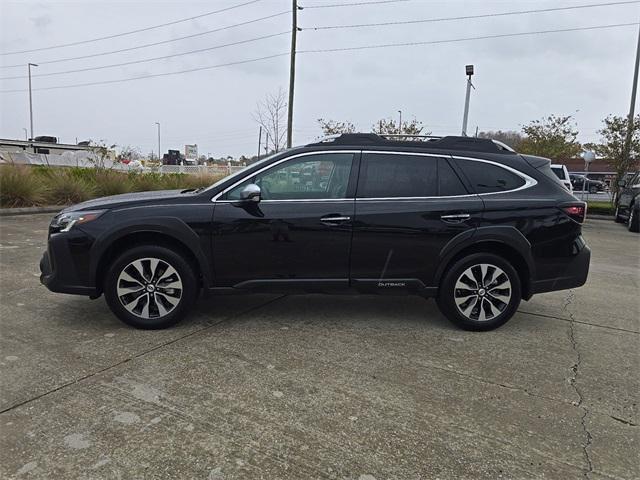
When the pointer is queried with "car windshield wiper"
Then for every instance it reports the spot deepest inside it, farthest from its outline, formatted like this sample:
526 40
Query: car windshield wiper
192 190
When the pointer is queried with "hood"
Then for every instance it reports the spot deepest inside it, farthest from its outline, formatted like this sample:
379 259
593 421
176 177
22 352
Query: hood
126 199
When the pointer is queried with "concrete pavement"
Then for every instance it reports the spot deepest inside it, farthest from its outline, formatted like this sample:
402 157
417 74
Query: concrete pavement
320 386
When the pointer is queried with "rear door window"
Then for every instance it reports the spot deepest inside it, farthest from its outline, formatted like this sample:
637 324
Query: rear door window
389 175
489 178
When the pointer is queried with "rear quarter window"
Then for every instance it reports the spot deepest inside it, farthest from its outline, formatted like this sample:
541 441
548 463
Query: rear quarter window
489 178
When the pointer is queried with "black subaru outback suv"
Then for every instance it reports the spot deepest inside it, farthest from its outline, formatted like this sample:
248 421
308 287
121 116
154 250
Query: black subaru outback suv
467 221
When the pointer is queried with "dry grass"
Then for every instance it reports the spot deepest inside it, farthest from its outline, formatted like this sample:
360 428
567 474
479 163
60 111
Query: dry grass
19 187
25 186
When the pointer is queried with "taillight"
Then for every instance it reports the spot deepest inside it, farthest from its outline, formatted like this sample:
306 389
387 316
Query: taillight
576 212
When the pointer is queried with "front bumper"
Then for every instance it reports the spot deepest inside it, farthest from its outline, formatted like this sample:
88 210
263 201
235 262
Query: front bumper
64 267
573 275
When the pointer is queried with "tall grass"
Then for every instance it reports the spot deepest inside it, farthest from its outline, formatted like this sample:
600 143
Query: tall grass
19 187
22 186
64 187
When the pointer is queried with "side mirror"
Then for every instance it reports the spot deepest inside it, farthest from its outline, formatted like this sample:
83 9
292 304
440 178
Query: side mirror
250 193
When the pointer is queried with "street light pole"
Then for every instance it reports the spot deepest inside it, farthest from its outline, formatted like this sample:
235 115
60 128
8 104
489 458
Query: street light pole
30 98
626 149
400 123
158 124
469 70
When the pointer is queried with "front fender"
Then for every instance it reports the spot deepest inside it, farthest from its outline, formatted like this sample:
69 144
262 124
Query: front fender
172 227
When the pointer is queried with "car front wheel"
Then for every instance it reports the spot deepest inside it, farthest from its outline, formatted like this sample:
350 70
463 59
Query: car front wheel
150 287
480 292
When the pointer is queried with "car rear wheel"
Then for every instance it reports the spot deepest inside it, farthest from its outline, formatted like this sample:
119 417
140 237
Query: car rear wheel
150 287
480 292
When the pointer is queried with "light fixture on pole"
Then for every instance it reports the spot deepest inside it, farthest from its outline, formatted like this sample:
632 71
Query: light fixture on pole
158 124
469 71
30 98
588 157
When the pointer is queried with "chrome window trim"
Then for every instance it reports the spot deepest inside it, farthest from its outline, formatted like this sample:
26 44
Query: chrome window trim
528 181
303 154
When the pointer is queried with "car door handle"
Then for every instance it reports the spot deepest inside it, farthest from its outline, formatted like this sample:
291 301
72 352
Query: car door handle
334 219
455 218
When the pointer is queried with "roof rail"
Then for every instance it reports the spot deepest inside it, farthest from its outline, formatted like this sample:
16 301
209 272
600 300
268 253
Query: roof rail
474 144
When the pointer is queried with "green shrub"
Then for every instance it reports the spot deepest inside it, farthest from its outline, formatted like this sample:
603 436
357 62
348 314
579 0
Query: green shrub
19 187
65 187
600 208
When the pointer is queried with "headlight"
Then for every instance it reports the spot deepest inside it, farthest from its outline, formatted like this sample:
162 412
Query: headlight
65 221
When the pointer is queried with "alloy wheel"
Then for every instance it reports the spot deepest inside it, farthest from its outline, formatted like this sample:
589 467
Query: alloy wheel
482 292
149 288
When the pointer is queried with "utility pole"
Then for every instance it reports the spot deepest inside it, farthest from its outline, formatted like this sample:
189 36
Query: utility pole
400 123
30 98
158 124
266 144
259 140
626 152
469 70
292 71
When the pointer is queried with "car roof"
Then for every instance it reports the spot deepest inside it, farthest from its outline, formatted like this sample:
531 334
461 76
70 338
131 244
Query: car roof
426 143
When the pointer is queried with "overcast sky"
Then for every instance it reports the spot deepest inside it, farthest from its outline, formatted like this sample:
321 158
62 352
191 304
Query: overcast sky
586 73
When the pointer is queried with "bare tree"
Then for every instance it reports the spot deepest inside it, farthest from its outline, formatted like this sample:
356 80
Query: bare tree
271 115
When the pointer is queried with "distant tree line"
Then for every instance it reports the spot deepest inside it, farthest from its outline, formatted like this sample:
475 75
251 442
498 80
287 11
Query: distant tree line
553 137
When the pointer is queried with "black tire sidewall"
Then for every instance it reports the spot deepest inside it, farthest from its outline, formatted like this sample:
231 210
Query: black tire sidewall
177 261
446 300
634 219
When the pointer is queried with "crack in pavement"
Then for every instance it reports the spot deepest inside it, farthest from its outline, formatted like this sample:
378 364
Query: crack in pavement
206 326
573 382
595 325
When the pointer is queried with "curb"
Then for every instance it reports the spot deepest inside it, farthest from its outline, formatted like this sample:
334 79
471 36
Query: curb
8 212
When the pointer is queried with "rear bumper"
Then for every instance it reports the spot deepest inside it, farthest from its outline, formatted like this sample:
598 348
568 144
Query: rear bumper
573 275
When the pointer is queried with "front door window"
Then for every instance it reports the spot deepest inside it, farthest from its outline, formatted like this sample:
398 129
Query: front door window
315 177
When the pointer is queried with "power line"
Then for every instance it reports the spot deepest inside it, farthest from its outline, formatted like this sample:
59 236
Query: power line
128 49
467 17
107 37
133 62
355 4
120 80
466 39
364 47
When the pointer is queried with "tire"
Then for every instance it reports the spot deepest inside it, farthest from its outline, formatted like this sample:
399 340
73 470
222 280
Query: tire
496 309
618 218
634 219
593 189
166 280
